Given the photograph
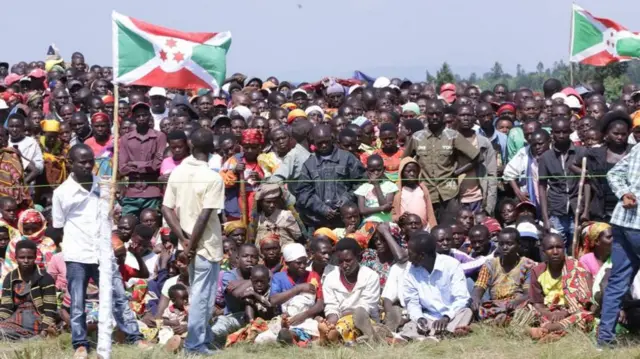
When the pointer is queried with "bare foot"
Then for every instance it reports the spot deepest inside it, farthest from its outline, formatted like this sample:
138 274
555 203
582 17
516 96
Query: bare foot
538 333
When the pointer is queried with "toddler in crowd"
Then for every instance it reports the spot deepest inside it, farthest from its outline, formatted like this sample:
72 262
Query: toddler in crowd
174 318
375 198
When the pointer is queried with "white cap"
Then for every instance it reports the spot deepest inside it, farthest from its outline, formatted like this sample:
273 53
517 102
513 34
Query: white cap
353 88
299 91
3 105
293 251
381 82
157 91
572 102
243 111
558 95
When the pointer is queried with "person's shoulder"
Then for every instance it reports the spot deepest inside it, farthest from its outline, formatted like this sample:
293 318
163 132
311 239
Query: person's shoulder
279 276
46 278
451 133
368 272
539 268
448 261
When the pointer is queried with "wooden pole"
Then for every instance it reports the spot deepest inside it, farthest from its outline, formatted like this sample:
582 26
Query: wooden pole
107 264
244 208
576 230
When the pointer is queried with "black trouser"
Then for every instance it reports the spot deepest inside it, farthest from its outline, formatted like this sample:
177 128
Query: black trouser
446 209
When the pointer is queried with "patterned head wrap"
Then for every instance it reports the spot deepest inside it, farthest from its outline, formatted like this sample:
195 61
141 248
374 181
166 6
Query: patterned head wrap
252 136
591 233
327 232
32 216
268 238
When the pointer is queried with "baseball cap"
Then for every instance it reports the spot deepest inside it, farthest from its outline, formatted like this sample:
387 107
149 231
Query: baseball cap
37 73
11 79
381 82
299 91
572 102
3 105
73 83
158 91
528 230
219 118
219 102
140 104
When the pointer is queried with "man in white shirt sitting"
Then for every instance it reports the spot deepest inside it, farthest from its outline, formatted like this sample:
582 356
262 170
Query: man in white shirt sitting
29 148
435 289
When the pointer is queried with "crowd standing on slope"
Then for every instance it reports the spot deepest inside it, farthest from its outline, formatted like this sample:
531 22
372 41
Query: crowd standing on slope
332 212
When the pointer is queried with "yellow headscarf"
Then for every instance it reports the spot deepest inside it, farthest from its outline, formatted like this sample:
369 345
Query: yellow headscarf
229 227
591 233
50 126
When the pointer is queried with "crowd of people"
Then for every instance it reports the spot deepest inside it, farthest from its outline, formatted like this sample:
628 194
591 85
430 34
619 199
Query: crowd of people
332 212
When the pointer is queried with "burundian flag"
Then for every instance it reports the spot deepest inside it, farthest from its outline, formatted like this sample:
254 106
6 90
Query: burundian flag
150 55
598 41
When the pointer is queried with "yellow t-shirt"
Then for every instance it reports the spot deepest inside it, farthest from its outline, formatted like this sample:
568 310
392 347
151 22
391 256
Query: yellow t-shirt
551 288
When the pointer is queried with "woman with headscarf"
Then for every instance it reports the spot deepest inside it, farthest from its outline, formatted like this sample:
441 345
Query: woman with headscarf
236 231
247 165
270 216
596 246
53 155
270 249
32 226
101 144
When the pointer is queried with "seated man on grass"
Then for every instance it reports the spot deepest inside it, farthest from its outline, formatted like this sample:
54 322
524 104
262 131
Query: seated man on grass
435 291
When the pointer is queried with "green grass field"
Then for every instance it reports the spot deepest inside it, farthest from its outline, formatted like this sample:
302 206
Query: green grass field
484 343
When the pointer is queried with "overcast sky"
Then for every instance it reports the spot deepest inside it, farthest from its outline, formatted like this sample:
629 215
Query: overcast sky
306 39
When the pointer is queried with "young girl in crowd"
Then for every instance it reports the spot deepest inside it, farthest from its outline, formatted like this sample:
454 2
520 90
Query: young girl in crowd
375 198
271 252
413 195
390 151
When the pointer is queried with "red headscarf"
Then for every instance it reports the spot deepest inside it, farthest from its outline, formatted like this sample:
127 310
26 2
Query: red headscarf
506 107
99 116
252 136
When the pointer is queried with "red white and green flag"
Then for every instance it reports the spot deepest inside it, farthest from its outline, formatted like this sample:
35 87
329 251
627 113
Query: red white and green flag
150 55
598 41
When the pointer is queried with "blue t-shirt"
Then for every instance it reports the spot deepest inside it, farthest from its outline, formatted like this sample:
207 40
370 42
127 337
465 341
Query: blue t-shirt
232 304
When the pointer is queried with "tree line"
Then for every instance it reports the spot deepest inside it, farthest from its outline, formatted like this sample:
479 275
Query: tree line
613 76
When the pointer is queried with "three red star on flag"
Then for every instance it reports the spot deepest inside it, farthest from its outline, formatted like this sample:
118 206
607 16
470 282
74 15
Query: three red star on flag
170 45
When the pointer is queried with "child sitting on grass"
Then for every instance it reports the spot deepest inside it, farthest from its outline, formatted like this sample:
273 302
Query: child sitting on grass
375 198
174 319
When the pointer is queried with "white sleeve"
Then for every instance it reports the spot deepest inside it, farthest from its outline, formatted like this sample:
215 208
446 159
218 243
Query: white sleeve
57 211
